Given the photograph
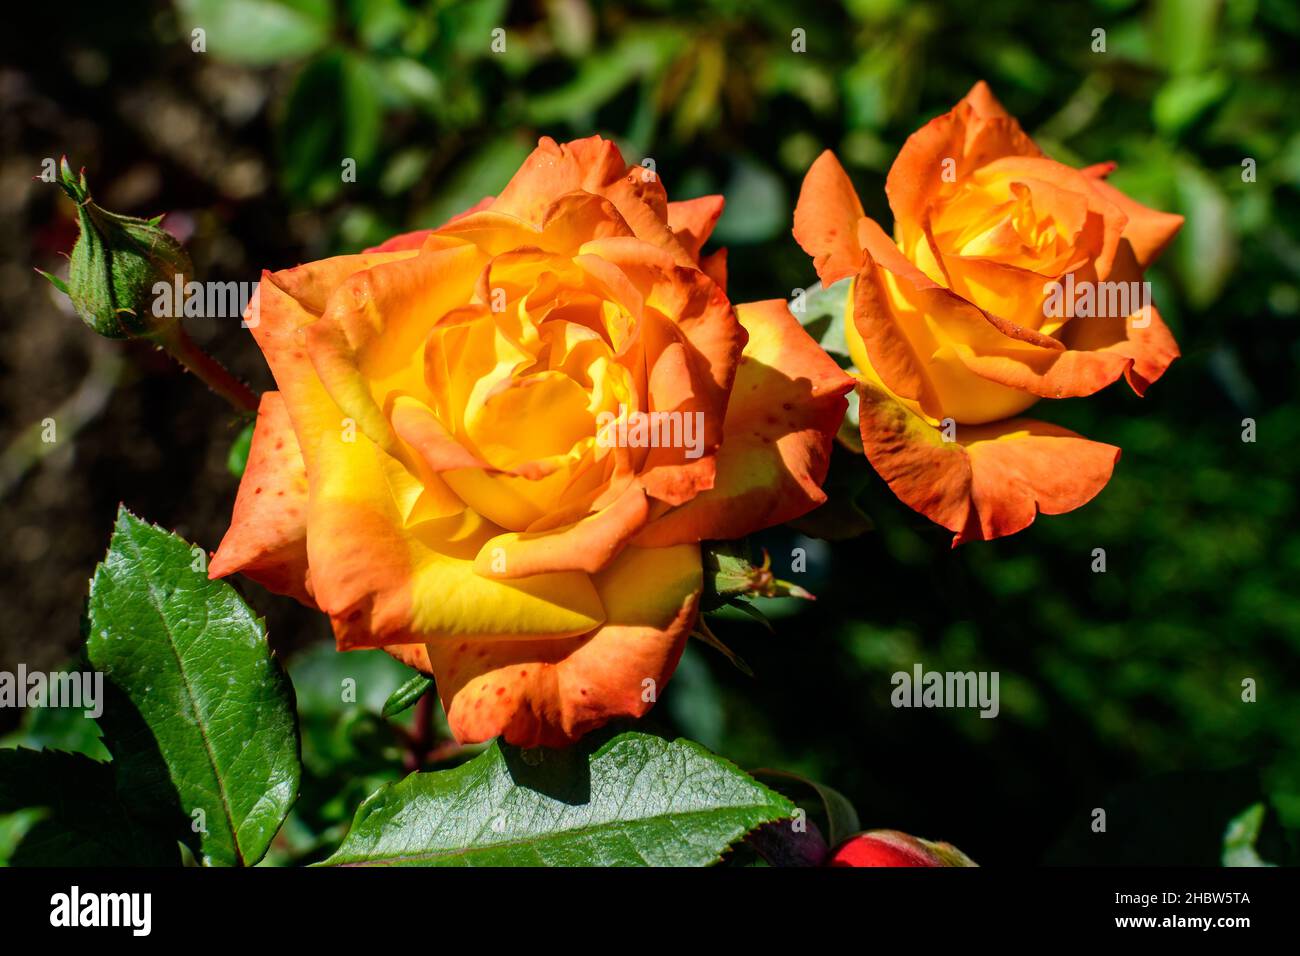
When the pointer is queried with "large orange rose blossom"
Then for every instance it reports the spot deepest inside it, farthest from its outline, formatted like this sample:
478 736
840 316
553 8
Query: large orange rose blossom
1009 278
496 446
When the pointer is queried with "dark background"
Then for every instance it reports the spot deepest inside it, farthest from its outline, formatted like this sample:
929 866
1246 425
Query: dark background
1119 690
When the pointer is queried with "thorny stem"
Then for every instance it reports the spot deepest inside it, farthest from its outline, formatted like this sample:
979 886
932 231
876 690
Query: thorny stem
212 372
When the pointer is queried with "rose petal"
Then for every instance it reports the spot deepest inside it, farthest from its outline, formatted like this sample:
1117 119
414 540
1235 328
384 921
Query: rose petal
931 346
286 303
1148 231
714 265
267 537
692 221
402 242
549 693
973 133
588 544
691 341
596 166
1142 340
383 582
993 480
826 219
786 405
367 345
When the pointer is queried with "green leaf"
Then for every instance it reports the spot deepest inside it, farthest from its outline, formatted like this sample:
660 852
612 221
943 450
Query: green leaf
237 457
406 81
757 206
1240 836
333 114
466 28
327 681
340 696
379 23
1183 31
821 311
406 695
199 715
1206 251
645 52
1184 98
59 728
259 32
841 818
699 105
67 814
751 612
348 750
728 571
56 282
789 843
633 800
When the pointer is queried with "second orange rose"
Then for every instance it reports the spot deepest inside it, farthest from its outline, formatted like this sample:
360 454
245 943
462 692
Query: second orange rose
1009 278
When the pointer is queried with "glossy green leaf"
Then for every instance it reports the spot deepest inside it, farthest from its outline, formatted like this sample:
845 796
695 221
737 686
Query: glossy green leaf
259 32
199 715
63 812
630 800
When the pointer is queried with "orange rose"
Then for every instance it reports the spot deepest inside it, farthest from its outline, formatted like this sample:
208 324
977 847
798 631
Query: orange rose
496 445
1010 278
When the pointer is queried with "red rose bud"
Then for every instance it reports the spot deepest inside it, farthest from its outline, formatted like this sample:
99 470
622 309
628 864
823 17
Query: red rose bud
892 848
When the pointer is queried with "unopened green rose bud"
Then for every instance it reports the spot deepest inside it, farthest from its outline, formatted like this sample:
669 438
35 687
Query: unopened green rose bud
114 266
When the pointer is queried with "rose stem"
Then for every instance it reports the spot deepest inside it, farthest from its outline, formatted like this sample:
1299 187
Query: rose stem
421 739
212 372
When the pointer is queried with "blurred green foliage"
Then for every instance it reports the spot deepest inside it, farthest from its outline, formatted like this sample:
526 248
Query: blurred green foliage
1120 690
